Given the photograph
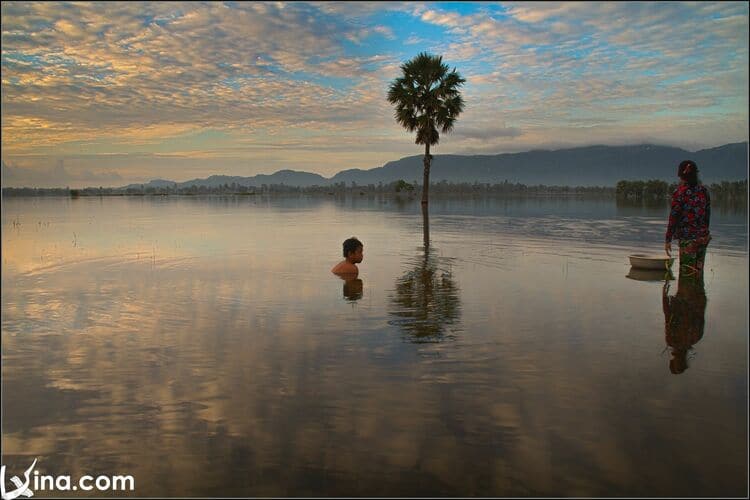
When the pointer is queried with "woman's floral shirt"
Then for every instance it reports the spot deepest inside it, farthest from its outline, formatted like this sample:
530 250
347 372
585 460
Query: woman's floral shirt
690 213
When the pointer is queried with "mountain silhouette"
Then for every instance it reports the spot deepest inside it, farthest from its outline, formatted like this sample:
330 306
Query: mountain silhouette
582 166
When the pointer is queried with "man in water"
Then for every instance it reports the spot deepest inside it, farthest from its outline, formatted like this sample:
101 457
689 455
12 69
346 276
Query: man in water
352 256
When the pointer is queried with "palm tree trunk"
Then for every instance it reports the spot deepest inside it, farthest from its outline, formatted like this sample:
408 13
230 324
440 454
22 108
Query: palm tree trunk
426 179
425 227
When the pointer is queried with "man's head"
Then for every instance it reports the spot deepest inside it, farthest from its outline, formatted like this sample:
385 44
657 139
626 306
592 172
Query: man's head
353 250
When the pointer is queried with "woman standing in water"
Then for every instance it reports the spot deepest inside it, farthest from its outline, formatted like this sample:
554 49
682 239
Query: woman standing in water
689 218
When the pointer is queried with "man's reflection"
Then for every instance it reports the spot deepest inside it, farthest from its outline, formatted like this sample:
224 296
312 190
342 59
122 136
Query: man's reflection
684 318
353 289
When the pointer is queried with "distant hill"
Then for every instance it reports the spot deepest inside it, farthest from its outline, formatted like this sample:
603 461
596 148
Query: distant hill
287 177
584 166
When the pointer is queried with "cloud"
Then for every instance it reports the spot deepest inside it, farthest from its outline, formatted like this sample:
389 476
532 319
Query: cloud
448 19
573 63
109 69
57 176
488 132
385 31
94 80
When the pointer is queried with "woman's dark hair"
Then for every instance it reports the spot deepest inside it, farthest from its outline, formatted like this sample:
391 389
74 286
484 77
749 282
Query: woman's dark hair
688 172
351 245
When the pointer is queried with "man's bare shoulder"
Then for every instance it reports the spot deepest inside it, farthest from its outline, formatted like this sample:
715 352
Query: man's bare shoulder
345 267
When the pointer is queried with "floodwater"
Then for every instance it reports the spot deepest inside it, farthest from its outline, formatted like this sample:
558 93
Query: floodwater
201 345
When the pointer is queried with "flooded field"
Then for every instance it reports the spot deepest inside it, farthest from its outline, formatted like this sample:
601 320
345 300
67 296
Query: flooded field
202 346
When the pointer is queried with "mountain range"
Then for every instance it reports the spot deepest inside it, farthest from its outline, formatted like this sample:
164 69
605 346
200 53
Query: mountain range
582 166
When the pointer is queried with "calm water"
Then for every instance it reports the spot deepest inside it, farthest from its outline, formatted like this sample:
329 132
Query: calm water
202 346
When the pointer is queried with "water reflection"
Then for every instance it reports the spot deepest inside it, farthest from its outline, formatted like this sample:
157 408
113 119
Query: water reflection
353 289
173 344
638 274
425 300
684 318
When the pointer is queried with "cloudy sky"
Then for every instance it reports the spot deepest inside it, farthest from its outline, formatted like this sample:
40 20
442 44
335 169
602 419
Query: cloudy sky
116 92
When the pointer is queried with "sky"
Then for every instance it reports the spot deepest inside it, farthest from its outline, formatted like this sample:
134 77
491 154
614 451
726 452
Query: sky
109 93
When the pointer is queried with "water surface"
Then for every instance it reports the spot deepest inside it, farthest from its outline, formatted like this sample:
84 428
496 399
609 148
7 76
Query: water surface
201 345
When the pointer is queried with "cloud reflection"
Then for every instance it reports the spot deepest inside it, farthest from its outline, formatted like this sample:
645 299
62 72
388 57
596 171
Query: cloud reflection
240 372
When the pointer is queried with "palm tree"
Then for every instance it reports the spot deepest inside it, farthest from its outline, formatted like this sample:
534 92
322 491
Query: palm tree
427 100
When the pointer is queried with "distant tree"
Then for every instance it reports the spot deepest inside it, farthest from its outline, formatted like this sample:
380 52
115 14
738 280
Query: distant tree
630 189
427 100
656 189
402 185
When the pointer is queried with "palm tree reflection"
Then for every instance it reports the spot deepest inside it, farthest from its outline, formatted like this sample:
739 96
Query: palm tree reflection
684 318
425 301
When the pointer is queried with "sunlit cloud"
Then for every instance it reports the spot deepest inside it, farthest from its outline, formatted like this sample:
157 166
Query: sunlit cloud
309 80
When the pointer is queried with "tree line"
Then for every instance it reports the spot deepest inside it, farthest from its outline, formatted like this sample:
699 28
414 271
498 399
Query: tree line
631 190
655 189
399 187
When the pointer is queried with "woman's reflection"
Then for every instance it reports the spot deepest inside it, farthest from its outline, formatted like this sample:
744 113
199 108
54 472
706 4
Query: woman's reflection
684 318
425 300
